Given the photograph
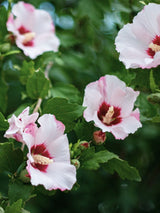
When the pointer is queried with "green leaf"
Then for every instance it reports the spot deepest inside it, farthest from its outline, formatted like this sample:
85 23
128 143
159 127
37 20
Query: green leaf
18 190
26 71
92 160
10 159
15 207
3 123
3 20
67 91
64 111
37 85
124 170
1 210
3 95
147 109
84 130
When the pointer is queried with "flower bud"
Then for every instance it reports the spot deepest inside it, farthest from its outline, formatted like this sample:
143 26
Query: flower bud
76 163
84 145
24 176
99 137
154 98
5 47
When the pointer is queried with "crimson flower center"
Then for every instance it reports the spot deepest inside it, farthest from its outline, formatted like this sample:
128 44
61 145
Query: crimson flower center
154 46
41 157
109 115
28 36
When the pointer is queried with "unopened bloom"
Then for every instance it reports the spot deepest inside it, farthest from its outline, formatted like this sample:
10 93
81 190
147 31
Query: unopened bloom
110 105
99 137
23 123
33 30
49 158
139 43
84 145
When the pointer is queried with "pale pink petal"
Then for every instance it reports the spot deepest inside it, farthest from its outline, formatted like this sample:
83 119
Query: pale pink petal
149 18
92 99
30 118
130 124
12 127
42 43
10 24
58 176
29 140
59 149
23 123
24 14
136 114
31 128
132 51
119 133
112 83
124 99
42 22
133 40
49 129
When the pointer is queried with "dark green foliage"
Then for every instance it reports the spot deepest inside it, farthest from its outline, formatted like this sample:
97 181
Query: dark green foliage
3 20
3 123
64 111
16 207
18 190
37 85
10 158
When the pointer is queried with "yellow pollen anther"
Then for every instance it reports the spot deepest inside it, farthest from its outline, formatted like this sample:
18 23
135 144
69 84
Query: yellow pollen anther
154 47
108 116
28 37
42 159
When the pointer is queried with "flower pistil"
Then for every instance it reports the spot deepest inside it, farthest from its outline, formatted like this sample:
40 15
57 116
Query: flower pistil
40 159
108 116
28 37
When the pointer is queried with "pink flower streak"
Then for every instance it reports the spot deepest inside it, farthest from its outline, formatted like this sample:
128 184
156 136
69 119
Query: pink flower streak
23 123
49 157
110 105
139 43
33 30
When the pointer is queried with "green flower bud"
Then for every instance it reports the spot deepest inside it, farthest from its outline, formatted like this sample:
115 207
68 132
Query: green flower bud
84 145
154 98
24 176
76 163
5 47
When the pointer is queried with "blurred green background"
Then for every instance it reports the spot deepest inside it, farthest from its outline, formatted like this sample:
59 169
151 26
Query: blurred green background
87 30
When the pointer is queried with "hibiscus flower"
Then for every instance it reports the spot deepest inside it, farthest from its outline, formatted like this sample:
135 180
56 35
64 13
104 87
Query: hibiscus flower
23 123
33 30
139 43
49 157
110 105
